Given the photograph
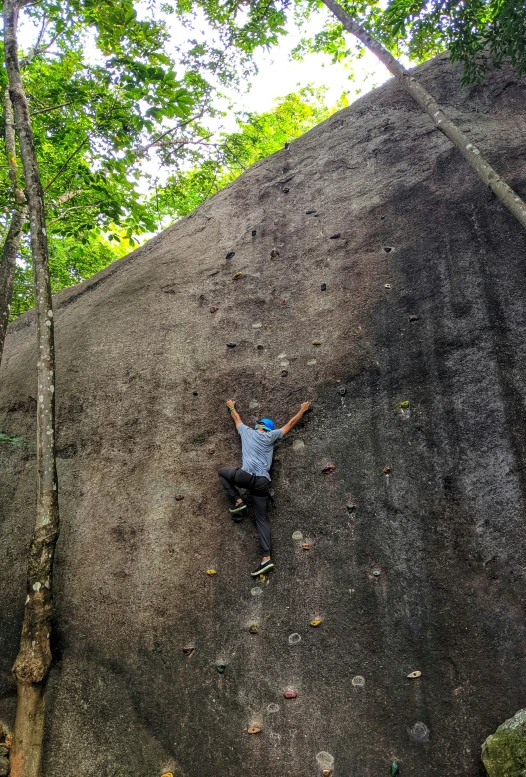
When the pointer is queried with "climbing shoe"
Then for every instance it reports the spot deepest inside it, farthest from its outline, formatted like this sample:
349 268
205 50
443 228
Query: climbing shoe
265 566
236 511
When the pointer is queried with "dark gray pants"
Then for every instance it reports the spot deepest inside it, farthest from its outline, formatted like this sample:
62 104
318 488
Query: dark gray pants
231 479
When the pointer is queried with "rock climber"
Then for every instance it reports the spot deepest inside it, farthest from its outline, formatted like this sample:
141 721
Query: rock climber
257 447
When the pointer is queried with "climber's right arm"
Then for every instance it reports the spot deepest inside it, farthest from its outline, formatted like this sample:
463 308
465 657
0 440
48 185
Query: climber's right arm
231 404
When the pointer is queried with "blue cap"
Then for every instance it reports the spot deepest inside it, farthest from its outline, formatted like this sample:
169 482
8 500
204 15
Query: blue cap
268 425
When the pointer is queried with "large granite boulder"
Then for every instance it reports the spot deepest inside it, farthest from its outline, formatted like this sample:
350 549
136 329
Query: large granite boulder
420 567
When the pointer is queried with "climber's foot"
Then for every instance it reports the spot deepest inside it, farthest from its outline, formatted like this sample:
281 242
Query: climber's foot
237 510
265 566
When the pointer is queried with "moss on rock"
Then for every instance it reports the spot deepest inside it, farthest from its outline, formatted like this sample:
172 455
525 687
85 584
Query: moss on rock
504 752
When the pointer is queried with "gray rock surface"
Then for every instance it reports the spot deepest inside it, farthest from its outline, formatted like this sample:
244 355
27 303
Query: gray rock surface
444 529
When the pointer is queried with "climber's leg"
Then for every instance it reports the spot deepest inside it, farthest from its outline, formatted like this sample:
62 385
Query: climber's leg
260 502
227 478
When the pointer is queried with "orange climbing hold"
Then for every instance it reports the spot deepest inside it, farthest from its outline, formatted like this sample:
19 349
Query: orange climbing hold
253 730
306 545
386 470
327 772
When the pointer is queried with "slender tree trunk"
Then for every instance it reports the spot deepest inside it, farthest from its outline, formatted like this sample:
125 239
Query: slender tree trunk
7 270
34 658
442 121
12 241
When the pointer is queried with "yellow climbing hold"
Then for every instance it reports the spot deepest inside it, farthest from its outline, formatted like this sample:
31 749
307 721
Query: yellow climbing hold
167 774
237 275
211 572
412 675
315 623
316 342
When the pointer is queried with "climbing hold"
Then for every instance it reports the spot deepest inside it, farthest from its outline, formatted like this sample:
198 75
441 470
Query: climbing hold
342 391
231 344
351 506
403 405
311 362
358 681
211 572
308 212
386 470
274 253
220 668
213 309
254 232
284 373
388 249
387 286
297 535
294 639
377 572
328 468
327 772
237 275
253 629
324 287
211 451
286 190
290 695
230 255
394 769
195 393
253 730
188 651
167 774
260 347
306 546
262 578
179 498
414 318
335 236
315 623
413 675
284 301
316 342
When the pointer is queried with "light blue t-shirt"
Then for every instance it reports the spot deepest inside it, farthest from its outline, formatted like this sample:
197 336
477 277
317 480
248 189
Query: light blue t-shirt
257 449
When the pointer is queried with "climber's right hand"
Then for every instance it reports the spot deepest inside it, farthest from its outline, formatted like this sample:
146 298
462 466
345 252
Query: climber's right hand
231 403
305 406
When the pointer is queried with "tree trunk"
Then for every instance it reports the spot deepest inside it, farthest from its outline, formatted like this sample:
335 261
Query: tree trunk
12 242
34 658
440 118
7 270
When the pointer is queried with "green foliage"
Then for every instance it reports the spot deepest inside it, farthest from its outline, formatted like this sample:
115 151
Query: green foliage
220 162
470 30
12 440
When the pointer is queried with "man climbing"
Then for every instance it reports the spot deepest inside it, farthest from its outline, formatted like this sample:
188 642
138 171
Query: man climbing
257 447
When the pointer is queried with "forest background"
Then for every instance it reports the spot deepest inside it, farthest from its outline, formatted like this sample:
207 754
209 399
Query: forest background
138 108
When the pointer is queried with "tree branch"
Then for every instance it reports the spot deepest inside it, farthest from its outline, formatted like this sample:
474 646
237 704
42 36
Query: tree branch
53 108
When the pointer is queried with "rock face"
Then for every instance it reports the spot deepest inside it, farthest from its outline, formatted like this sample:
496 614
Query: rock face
417 535
504 752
